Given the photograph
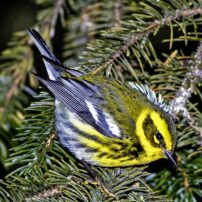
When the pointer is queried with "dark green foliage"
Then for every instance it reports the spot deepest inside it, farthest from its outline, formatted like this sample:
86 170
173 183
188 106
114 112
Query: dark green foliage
123 39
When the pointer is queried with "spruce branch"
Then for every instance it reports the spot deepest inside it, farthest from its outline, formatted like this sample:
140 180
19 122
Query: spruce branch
50 139
117 14
155 25
48 193
86 20
182 79
19 78
84 28
22 55
16 62
191 79
57 11
48 16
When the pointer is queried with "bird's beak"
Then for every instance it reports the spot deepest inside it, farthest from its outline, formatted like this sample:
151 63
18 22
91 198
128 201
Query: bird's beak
170 157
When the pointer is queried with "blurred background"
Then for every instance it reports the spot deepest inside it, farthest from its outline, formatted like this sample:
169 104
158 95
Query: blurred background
15 16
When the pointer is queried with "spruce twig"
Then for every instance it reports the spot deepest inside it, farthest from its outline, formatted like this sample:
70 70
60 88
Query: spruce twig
146 31
48 193
191 79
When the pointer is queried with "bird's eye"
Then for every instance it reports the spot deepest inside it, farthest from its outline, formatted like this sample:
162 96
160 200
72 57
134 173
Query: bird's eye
159 137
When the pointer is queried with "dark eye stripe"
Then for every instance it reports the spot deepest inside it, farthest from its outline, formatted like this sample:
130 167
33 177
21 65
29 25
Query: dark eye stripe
150 130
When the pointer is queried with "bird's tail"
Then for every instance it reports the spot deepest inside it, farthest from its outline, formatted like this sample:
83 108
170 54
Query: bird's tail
53 73
52 64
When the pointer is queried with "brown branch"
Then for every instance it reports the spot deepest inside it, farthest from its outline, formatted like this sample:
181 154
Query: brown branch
191 79
50 139
86 21
148 30
117 14
58 10
14 87
19 75
52 192
186 179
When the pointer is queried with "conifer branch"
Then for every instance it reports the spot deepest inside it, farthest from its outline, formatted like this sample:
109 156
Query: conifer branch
148 30
57 11
23 62
48 21
50 139
186 178
86 21
14 87
49 193
191 79
117 14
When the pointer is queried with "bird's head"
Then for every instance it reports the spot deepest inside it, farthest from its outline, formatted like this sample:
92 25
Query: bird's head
156 132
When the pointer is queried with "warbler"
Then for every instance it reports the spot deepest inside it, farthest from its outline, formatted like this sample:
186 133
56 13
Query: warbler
103 121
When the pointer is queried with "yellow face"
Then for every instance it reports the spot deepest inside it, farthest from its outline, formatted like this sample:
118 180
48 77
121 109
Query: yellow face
155 134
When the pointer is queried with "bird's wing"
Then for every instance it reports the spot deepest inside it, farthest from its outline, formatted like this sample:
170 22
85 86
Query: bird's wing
86 100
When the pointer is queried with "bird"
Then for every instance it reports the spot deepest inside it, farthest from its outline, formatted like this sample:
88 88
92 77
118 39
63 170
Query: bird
104 121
